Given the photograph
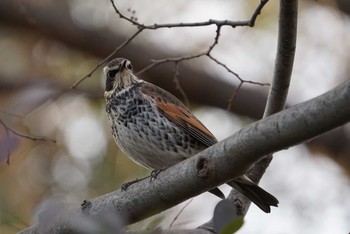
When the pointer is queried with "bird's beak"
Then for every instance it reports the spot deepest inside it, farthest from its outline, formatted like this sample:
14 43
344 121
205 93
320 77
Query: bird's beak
105 69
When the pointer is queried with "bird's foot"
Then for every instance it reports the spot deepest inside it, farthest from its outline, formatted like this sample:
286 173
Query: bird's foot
126 185
155 173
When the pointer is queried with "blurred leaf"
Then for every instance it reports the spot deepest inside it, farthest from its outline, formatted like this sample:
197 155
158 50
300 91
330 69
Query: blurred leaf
232 226
225 218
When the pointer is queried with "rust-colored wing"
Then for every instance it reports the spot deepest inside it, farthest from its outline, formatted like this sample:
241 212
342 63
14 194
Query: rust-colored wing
178 113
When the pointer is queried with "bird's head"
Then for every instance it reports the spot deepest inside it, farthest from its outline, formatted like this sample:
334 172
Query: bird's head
119 75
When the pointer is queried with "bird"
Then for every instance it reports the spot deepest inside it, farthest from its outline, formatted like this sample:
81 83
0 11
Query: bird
156 130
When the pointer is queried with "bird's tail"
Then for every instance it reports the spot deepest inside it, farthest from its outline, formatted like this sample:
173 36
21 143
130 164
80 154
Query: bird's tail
253 192
217 192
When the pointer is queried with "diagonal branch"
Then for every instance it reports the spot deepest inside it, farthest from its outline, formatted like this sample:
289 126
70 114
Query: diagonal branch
106 59
9 130
33 138
222 162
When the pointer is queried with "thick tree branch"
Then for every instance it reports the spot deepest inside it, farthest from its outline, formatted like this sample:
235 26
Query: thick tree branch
287 37
216 165
276 100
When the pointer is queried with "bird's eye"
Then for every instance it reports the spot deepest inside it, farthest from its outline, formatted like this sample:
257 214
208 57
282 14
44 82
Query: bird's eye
112 73
128 65
109 83
110 78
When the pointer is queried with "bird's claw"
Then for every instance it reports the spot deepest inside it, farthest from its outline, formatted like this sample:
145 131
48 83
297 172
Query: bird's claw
126 185
155 173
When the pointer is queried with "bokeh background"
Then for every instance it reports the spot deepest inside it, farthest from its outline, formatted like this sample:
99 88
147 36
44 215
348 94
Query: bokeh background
48 45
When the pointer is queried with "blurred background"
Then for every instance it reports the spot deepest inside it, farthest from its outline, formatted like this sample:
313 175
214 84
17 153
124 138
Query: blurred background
48 45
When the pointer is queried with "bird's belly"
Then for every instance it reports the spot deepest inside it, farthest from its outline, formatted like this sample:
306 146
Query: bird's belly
154 142
144 148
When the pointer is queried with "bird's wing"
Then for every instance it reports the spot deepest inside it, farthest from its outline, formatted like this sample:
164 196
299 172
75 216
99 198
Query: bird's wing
178 113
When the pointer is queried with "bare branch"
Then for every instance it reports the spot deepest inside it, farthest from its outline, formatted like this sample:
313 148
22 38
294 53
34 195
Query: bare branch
141 27
218 23
33 138
168 60
176 60
287 37
226 160
207 53
106 59
54 21
9 130
287 34
233 96
257 12
179 213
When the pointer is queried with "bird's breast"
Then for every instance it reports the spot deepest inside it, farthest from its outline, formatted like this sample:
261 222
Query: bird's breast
145 134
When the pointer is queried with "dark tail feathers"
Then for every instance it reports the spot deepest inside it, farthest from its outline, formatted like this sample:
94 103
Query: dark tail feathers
253 192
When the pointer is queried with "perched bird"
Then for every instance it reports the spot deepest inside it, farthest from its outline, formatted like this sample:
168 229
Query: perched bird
156 130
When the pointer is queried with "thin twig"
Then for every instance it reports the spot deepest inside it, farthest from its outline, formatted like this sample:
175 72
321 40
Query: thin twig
180 212
207 53
209 22
225 66
141 27
233 96
156 62
33 138
182 58
257 12
178 85
216 40
107 58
